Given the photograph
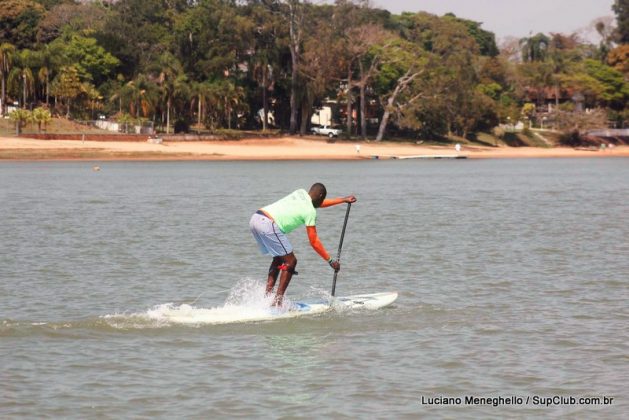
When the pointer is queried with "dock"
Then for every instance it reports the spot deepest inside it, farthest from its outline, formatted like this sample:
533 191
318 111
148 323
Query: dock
397 157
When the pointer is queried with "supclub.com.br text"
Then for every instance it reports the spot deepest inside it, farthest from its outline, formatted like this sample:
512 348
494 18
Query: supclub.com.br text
535 400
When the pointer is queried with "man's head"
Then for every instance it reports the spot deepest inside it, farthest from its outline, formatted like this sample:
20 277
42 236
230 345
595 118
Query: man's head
317 193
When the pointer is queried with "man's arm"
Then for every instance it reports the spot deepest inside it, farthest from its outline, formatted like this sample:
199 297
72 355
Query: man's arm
339 200
318 246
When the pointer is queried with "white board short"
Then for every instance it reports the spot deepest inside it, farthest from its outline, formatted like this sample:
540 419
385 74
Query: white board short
271 240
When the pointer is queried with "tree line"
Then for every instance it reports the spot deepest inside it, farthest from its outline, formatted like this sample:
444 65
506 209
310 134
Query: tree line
231 64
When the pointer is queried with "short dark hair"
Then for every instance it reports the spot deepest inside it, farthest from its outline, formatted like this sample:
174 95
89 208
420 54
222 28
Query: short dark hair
319 188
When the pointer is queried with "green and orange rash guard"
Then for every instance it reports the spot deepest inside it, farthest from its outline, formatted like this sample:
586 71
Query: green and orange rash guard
332 202
312 230
316 243
292 211
296 209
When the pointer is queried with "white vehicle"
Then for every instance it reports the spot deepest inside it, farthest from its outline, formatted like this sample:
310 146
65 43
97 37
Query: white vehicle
326 130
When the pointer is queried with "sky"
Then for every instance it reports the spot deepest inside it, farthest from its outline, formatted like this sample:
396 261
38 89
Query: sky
516 18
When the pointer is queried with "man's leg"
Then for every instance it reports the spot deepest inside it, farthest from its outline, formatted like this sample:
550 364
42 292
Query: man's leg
288 269
274 271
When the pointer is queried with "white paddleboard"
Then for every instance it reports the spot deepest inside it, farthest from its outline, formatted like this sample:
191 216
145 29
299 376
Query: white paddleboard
226 315
368 301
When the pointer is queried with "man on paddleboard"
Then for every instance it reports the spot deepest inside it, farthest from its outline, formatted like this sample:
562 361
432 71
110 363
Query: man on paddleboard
272 223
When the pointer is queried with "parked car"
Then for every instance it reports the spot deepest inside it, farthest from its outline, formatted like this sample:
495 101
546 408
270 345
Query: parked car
326 130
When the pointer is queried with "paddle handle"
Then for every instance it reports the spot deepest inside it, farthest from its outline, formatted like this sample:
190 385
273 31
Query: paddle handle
338 255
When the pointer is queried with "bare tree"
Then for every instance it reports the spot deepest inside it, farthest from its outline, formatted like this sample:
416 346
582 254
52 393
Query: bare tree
403 85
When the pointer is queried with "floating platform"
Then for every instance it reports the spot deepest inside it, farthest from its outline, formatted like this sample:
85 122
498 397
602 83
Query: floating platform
419 157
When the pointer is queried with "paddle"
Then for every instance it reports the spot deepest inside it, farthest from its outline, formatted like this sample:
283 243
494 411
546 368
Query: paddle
338 256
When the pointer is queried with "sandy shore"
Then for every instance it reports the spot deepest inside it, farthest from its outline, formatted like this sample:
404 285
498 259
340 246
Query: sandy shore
287 148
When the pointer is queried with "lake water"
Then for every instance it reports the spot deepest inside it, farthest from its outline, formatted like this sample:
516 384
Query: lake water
513 278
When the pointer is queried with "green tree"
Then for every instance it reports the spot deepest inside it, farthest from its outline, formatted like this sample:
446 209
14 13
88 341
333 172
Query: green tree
201 95
450 79
528 112
137 32
399 79
92 97
601 85
563 53
41 116
368 59
7 52
20 117
214 103
48 61
173 82
21 77
338 47
75 17
485 40
141 95
615 89
147 96
19 20
606 32
621 8
293 14
211 38
93 63
67 86
533 78
535 48
321 64
266 49
233 97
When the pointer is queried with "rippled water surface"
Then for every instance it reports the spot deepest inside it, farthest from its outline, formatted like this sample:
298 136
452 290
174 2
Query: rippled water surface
513 278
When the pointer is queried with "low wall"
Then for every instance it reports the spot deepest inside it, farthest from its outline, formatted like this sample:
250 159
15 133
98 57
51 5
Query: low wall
89 137
136 137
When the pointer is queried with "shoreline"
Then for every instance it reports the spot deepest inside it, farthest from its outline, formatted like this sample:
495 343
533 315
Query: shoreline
279 149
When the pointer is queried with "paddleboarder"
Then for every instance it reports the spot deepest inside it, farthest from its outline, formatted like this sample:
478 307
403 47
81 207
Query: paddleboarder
272 223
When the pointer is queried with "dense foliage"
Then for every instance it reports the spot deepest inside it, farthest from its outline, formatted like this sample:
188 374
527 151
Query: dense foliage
250 64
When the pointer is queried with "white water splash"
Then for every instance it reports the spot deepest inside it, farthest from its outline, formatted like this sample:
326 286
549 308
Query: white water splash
247 301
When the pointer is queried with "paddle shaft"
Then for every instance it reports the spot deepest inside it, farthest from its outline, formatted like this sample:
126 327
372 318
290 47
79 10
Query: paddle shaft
338 255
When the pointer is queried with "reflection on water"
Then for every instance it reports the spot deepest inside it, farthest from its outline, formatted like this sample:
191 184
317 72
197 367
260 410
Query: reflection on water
296 356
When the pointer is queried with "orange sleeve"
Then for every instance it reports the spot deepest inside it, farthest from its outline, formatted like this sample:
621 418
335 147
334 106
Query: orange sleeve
316 243
332 202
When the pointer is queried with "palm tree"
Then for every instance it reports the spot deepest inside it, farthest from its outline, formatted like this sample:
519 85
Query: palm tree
148 95
7 52
172 80
21 117
122 94
141 94
265 52
22 74
201 95
94 97
48 62
41 116
263 75
215 103
534 48
233 100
